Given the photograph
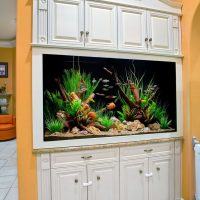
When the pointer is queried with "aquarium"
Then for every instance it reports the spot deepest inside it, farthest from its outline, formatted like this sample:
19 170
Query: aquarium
89 97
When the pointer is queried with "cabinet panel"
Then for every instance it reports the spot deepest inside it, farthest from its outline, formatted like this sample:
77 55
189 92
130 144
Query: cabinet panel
161 183
132 29
133 183
105 181
101 25
67 183
159 32
66 22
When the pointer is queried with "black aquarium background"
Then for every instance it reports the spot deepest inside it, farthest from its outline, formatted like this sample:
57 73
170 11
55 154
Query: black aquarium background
163 74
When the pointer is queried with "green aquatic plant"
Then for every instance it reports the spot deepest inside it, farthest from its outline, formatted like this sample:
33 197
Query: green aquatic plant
54 125
139 99
106 121
73 107
79 82
165 122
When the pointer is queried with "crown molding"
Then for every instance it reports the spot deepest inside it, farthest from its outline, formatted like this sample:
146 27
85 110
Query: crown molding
8 43
173 3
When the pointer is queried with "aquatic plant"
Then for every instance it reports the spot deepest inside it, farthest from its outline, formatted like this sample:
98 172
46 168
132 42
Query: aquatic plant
54 125
106 121
165 122
139 102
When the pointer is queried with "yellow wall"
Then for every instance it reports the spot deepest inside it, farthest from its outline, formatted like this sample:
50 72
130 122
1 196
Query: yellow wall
191 83
8 55
26 160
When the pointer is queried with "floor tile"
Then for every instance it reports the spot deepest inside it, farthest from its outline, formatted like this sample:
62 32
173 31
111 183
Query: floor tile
11 162
6 181
2 162
3 193
8 171
15 184
12 194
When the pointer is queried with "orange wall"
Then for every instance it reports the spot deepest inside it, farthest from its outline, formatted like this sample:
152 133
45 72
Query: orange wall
26 159
191 83
8 55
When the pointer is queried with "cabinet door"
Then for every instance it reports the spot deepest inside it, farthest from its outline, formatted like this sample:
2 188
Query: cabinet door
100 25
132 29
105 181
133 183
67 183
161 183
66 22
159 32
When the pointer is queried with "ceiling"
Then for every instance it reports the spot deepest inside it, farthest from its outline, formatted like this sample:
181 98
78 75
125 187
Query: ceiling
7 20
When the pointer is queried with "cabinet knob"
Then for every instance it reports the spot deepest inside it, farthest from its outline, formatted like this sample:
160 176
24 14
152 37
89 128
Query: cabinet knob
146 40
141 171
98 178
87 33
81 32
158 168
86 157
76 181
150 39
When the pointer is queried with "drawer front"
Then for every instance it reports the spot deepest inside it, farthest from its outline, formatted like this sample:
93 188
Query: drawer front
82 157
149 150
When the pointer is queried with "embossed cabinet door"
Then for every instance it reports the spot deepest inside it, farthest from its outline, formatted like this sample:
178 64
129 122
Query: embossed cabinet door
67 183
66 22
104 179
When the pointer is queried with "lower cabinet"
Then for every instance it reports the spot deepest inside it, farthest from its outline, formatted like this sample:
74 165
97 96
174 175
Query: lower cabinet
142 172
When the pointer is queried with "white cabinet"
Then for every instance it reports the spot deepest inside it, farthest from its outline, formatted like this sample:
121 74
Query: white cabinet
133 183
161 183
85 175
100 25
66 22
143 30
67 183
105 181
132 29
160 32
74 24
147 172
141 172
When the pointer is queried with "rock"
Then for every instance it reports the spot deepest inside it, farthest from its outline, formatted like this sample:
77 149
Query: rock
75 130
119 126
125 122
154 126
146 129
136 125
94 130
84 132
129 128
115 120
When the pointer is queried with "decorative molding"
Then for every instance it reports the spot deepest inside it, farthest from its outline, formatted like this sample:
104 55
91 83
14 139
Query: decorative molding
8 43
173 3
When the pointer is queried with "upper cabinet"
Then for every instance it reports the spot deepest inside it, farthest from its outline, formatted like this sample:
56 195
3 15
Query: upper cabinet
109 25
66 22
100 25
147 31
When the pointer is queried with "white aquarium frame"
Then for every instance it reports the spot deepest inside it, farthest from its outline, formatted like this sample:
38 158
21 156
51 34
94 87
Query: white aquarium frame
37 97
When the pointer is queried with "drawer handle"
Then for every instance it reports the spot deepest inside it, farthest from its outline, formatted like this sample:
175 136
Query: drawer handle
149 175
148 150
86 157
87 184
150 39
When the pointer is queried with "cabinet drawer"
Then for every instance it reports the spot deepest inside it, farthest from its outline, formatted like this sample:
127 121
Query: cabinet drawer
149 150
81 157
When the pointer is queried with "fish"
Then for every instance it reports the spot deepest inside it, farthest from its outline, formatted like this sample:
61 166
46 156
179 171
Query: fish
105 81
110 87
94 80
100 94
110 97
106 85
105 89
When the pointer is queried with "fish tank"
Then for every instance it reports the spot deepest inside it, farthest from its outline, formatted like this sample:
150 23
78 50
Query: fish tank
89 97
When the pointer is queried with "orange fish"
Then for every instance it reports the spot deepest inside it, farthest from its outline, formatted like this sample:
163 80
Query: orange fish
111 106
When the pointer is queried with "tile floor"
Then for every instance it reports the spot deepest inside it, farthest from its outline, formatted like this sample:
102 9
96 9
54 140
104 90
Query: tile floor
8 171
